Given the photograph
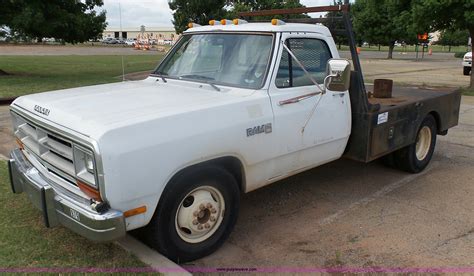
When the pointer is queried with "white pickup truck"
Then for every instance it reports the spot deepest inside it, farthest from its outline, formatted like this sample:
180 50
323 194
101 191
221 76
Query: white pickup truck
467 63
230 109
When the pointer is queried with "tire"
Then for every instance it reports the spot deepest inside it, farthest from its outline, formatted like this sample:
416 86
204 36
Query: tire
415 157
466 70
182 201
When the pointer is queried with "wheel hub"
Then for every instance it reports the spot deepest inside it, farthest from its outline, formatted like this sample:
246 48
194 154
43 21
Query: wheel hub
423 143
199 214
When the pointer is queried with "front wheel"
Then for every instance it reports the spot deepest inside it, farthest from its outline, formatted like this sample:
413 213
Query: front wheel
415 157
196 214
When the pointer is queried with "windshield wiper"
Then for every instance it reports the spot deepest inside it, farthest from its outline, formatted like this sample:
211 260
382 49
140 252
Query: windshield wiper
197 77
214 86
201 77
160 76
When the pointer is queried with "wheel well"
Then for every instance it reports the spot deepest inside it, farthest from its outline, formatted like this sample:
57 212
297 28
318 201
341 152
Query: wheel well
438 121
229 163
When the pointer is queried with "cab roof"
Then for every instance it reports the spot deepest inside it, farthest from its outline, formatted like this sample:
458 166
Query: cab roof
263 27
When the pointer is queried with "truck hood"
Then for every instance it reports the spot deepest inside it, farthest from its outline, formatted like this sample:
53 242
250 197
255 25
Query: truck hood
93 110
468 55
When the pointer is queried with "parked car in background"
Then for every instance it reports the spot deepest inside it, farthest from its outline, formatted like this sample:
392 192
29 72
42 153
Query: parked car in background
110 40
130 41
467 63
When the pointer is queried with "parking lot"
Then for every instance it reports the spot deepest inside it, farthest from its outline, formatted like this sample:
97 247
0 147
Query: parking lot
349 214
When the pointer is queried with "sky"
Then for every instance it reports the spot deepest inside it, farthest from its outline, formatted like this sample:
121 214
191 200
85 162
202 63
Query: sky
155 13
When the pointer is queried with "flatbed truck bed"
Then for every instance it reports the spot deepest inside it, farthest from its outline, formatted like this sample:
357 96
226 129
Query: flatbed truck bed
372 137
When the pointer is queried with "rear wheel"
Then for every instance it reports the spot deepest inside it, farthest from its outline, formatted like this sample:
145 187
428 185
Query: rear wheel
196 214
466 70
415 157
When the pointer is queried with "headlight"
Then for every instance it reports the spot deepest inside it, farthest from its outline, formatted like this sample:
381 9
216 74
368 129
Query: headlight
89 163
84 165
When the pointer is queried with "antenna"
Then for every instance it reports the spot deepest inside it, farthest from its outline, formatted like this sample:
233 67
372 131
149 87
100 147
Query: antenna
121 37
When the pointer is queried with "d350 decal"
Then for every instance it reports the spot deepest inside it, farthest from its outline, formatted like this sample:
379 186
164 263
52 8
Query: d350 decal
266 128
42 110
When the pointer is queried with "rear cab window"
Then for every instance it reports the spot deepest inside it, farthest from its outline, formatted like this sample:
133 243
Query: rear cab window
313 53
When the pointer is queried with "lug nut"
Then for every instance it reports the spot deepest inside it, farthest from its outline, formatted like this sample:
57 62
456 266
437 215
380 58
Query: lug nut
200 226
213 218
195 213
207 225
202 207
195 222
209 205
213 211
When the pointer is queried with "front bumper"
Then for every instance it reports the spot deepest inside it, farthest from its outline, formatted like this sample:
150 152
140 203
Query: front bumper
60 209
467 63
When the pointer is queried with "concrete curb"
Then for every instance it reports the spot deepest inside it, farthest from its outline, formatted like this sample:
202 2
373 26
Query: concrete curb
151 257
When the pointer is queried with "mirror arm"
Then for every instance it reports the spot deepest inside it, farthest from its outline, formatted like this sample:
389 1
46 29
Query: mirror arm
328 79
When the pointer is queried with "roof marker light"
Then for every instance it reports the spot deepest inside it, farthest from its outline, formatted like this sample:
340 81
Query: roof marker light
226 22
214 22
192 25
277 22
239 21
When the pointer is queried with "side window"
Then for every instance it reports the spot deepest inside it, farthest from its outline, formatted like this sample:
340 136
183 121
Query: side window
312 53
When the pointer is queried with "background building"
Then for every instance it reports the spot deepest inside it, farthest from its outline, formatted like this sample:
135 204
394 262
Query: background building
161 35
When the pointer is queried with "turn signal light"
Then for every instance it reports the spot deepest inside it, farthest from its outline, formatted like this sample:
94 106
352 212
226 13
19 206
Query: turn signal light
20 143
133 212
192 25
277 22
239 21
88 190
226 22
214 22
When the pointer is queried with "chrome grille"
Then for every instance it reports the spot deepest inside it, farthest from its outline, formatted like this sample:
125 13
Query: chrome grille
53 152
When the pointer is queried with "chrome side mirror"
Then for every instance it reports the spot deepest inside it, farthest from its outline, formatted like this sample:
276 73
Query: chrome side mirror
338 75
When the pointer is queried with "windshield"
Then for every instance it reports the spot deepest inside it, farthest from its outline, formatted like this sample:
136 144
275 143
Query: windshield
230 59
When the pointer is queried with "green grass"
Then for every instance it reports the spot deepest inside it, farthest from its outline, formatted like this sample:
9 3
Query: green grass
467 91
32 74
26 243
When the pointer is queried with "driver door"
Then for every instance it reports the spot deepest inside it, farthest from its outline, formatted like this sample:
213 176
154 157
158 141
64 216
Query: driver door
313 126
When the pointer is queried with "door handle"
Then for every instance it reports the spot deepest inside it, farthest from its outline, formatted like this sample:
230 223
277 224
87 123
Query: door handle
299 98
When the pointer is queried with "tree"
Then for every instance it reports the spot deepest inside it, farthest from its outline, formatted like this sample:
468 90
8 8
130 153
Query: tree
202 11
383 22
337 24
452 37
199 12
258 5
439 15
69 20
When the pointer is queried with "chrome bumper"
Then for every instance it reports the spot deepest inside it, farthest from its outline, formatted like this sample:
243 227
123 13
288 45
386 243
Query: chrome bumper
59 209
